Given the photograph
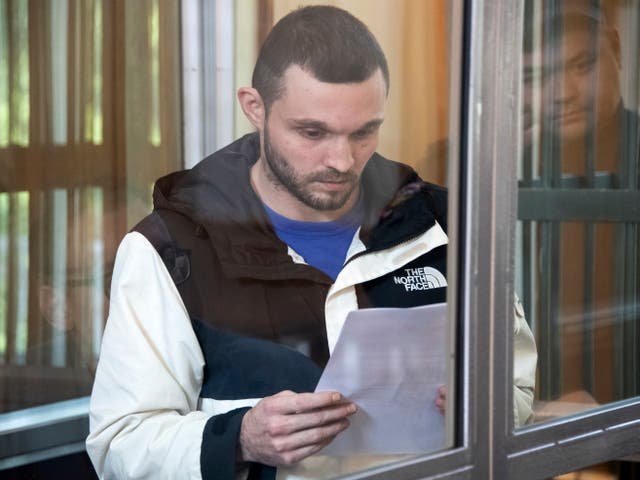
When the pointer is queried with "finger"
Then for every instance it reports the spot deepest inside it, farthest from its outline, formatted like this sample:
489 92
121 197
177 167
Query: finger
319 417
300 454
305 402
313 437
285 393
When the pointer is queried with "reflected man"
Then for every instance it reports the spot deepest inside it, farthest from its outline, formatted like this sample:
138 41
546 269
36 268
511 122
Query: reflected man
572 67
577 133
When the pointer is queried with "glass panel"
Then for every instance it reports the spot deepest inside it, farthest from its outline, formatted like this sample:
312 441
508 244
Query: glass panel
578 264
75 177
272 241
415 37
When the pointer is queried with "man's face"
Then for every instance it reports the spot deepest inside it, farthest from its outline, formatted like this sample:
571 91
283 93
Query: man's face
317 139
574 85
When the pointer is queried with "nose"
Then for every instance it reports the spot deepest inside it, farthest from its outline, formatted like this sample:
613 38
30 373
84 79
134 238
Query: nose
566 87
339 155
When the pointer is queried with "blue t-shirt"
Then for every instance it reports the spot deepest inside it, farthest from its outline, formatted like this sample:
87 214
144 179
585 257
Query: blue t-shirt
322 244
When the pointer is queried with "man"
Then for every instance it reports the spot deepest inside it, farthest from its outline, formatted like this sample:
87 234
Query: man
576 130
270 242
572 84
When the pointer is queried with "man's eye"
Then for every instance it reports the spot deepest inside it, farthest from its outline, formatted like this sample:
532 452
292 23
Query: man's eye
311 133
362 134
585 66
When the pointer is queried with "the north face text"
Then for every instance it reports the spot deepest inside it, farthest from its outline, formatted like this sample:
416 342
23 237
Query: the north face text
422 278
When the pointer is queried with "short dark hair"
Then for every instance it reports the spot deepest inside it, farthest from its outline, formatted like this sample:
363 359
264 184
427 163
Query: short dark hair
327 42
558 16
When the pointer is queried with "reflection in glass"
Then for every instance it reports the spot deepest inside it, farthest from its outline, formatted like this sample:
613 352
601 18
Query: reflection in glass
579 262
14 73
75 176
14 233
93 124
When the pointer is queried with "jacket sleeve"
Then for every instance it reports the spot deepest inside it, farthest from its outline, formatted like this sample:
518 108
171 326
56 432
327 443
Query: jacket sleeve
144 418
524 367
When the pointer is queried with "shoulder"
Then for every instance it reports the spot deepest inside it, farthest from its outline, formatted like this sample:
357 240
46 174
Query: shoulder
136 260
396 172
439 201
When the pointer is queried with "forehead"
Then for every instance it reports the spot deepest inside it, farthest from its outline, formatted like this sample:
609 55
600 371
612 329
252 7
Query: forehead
569 39
304 96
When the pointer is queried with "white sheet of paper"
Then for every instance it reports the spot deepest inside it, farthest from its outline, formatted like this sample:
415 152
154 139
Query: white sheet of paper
390 362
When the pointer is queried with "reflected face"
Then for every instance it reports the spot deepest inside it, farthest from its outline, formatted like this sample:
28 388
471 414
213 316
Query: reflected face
317 139
67 306
574 85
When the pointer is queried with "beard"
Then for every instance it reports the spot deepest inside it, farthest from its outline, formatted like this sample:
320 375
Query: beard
283 176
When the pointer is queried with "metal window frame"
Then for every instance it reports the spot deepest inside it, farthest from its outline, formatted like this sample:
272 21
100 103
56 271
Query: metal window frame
482 219
551 448
40 433
208 98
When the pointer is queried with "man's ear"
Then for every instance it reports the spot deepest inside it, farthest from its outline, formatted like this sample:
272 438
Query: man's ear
252 106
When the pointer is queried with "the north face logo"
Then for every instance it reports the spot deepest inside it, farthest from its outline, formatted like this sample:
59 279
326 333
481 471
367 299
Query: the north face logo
424 278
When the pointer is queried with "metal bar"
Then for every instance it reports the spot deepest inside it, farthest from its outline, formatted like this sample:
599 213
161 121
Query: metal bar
631 263
449 464
614 418
528 247
457 425
13 286
224 73
207 77
632 295
528 263
560 457
556 379
40 429
620 339
41 455
631 318
588 281
588 318
192 83
601 180
549 361
38 231
4 273
492 191
579 205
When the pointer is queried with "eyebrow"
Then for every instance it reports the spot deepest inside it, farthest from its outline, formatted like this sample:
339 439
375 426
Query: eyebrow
309 123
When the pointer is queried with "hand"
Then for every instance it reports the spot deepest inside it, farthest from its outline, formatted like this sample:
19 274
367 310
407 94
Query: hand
288 427
440 399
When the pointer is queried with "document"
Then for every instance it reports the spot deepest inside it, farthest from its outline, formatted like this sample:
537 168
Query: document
390 362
